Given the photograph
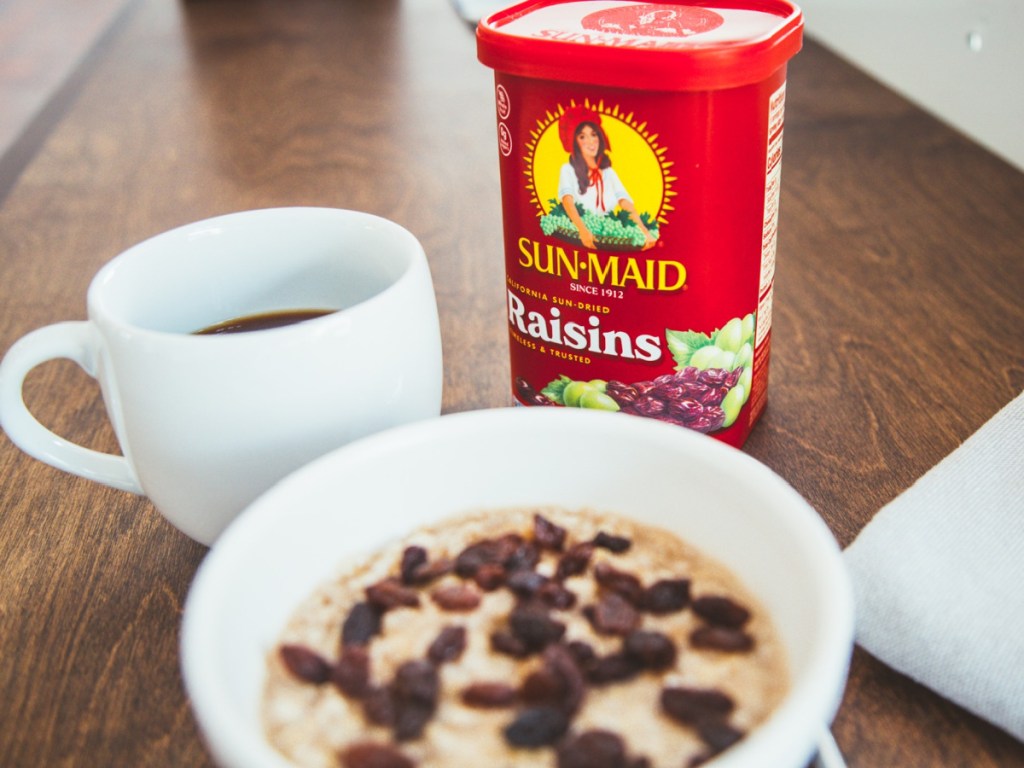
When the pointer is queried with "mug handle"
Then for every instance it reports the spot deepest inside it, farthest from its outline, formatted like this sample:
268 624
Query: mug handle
75 341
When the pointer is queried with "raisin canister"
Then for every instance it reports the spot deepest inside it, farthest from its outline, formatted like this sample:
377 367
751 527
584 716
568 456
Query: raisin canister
640 151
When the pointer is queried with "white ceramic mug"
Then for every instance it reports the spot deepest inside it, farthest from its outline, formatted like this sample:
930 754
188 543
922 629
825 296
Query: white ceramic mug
206 423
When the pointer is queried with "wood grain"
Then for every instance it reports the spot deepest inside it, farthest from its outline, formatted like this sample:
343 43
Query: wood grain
42 43
899 326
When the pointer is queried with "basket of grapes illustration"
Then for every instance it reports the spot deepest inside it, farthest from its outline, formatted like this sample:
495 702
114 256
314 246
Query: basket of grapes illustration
611 231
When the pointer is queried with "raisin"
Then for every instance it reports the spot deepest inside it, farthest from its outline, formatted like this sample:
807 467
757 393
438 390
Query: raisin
582 652
368 754
379 706
537 727
448 645
351 675
479 553
529 395
391 593
305 664
413 558
721 611
411 718
559 662
542 686
654 650
613 668
574 561
695 705
667 596
509 547
488 695
527 392
531 623
414 693
416 681
718 734
621 582
525 583
489 576
505 642
428 572
616 544
612 615
547 534
456 597
524 557
721 639
557 596
593 749
690 398
361 624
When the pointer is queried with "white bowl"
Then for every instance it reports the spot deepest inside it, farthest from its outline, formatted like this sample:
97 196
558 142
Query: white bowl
370 492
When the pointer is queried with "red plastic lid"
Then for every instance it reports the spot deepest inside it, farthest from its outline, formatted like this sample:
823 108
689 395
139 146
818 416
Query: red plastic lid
655 46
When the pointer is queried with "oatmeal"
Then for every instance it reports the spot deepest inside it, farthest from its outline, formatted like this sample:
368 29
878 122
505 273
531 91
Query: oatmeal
542 638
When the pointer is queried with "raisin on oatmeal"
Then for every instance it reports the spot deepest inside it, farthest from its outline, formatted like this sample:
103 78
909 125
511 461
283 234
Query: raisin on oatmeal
524 637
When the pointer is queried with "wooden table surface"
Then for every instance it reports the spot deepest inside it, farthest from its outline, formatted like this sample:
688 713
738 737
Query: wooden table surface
898 326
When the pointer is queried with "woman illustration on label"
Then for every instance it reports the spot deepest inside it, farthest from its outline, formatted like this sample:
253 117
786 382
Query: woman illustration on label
588 178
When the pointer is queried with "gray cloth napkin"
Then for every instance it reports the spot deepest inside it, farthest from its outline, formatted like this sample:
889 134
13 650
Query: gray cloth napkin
939 575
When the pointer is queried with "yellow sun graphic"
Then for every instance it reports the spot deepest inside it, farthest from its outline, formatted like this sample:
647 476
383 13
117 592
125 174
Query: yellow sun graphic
636 156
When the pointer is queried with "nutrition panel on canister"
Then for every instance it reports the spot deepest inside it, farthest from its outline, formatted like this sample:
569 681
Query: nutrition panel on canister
640 151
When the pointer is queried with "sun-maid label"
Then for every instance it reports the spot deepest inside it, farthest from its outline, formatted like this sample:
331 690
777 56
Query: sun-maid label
640 224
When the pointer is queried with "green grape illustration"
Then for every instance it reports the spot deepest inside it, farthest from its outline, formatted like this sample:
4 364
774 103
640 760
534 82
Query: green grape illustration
609 229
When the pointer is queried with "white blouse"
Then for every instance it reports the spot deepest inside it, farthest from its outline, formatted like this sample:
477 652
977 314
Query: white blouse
613 190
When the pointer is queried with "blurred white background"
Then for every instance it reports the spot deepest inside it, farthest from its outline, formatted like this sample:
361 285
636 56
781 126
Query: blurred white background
962 60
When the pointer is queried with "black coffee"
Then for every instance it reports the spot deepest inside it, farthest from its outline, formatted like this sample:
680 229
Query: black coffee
263 321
